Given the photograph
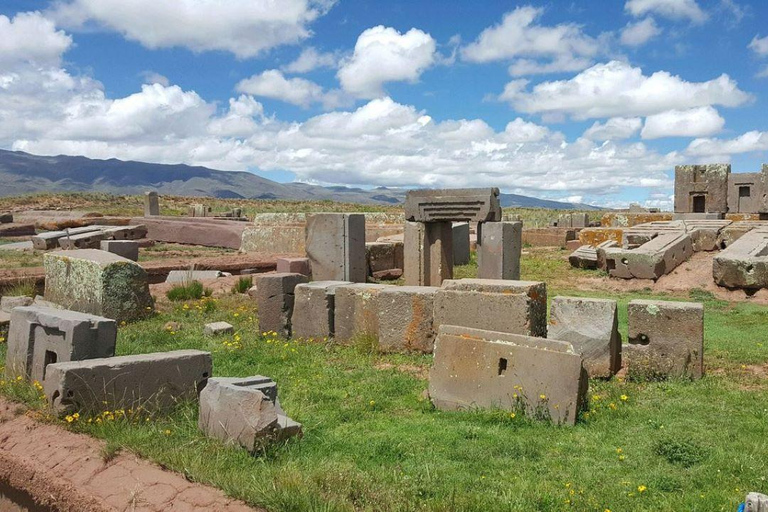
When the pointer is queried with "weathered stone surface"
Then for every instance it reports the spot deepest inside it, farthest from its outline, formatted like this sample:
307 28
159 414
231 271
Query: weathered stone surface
744 192
82 241
50 239
498 250
314 309
128 249
458 205
206 232
461 252
97 282
218 329
335 246
294 266
40 336
243 411
6 218
151 204
572 220
8 303
666 339
356 311
756 502
187 276
477 368
156 382
405 317
134 232
516 307
701 188
393 274
275 299
428 258
592 327
660 256
384 256
744 263
548 237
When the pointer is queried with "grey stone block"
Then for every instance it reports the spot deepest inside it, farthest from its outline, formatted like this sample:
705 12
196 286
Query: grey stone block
666 339
458 205
40 336
314 309
384 256
8 303
516 307
461 252
591 326
50 239
756 502
275 299
498 250
218 329
155 382
187 276
356 311
655 258
151 204
128 249
428 258
405 316
702 188
97 282
744 263
476 368
335 245
134 232
82 241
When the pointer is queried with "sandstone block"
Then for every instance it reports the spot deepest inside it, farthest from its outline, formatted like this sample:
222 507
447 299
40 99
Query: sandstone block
335 245
428 258
384 256
151 204
187 276
218 328
461 252
128 249
275 299
50 239
314 309
82 241
405 317
294 266
356 311
498 253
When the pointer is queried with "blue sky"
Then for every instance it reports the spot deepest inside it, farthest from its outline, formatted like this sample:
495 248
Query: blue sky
592 101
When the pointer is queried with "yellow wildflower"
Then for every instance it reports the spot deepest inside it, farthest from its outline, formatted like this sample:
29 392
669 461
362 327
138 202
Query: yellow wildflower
641 488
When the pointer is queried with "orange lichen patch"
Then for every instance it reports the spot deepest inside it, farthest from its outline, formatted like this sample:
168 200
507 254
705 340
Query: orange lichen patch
619 219
411 333
596 236
738 217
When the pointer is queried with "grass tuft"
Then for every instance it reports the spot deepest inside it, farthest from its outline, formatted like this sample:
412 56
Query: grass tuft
193 290
243 285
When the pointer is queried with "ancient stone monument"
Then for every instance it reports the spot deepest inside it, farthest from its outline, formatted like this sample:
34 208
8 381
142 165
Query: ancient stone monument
335 245
356 311
314 309
151 204
128 249
275 299
702 189
405 318
498 250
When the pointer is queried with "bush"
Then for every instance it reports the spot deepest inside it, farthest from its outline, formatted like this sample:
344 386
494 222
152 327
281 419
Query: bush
188 291
243 285
681 452
25 288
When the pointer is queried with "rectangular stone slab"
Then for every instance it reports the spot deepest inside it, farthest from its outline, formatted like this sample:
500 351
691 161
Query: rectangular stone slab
405 316
482 369
335 245
155 382
457 205
356 311
90 240
744 263
128 249
314 309
461 245
498 250
275 299
50 239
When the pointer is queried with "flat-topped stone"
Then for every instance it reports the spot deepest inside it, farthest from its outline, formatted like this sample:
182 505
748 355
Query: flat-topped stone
314 309
457 205
405 315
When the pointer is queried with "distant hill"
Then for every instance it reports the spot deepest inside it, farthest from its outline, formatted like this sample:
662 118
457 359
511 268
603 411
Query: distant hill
22 173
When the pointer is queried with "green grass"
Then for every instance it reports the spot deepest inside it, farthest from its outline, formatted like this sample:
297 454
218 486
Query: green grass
192 290
243 284
373 442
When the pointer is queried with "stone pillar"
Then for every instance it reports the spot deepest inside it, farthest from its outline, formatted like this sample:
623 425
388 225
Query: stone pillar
460 243
498 250
151 204
428 256
275 297
335 244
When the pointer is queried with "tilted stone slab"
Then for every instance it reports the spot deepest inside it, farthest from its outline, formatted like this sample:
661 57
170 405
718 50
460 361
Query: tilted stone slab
658 257
499 249
275 299
744 263
517 307
356 311
457 205
314 309
592 327
97 282
405 315
39 336
335 246
476 368
155 382
666 339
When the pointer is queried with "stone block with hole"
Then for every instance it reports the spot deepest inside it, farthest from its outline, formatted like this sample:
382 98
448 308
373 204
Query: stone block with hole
666 339
314 309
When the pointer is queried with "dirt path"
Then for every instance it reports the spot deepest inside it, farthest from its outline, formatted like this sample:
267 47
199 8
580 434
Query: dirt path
66 471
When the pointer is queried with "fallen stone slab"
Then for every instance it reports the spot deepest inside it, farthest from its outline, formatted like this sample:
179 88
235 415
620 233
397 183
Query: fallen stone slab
218 329
187 276
8 303
335 245
591 326
666 339
405 318
244 411
314 309
294 266
356 312
392 274
457 205
155 382
275 299
589 257
134 232
197 231
658 257
17 229
128 249
90 240
18 246
97 282
475 368
517 307
50 239
40 336
744 263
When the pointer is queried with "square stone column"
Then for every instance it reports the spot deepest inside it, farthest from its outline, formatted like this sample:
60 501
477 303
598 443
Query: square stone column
335 244
498 250
151 204
428 253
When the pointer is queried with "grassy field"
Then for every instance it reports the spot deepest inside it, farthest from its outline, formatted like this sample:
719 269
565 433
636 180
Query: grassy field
373 442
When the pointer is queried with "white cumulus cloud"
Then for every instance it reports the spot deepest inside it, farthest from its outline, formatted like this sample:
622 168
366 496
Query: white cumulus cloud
616 128
745 143
695 122
673 9
637 34
311 59
298 91
30 37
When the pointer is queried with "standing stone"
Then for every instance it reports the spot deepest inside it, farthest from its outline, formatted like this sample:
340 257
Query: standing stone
275 298
428 258
498 251
314 309
592 327
702 188
461 243
356 311
335 244
97 282
39 336
405 316
128 249
151 204
516 307
475 368
666 339
156 382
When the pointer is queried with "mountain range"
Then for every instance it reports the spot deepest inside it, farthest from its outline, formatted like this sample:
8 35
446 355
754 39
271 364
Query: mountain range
23 173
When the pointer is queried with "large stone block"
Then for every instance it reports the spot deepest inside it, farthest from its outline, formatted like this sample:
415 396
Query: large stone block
498 250
156 382
39 336
655 258
207 232
151 204
276 233
335 246
405 316
244 411
548 237
666 339
458 205
428 258
461 249
294 266
275 299
356 311
517 307
187 276
97 282
50 239
314 309
702 188
384 256
90 240
592 327
128 249
133 232
477 368
744 263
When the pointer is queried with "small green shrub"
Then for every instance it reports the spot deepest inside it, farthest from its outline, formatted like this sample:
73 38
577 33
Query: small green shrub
25 288
682 452
192 290
243 285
